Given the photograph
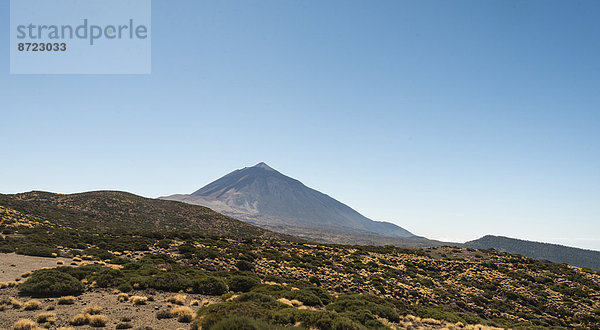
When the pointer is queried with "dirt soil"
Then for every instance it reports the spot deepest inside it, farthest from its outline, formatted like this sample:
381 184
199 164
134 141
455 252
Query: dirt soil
12 265
142 316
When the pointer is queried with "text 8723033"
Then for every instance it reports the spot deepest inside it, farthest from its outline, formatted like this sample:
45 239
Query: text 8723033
42 47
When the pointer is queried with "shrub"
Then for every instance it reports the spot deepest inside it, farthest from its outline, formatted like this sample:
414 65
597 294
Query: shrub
92 310
125 287
210 286
184 314
365 309
16 303
98 321
123 325
138 300
163 314
32 304
240 322
50 283
79 319
177 299
46 318
242 283
66 300
172 282
307 297
244 265
37 250
164 243
24 324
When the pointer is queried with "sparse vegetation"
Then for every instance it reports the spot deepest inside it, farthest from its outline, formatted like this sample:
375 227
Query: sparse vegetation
66 300
46 317
184 314
275 283
177 299
32 304
92 310
97 321
24 324
50 283
138 300
79 320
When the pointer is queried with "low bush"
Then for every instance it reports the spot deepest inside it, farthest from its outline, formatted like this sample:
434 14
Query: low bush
171 282
241 322
66 300
209 285
242 283
79 320
163 314
32 305
92 310
50 283
46 318
98 321
177 299
138 300
24 324
184 314
244 265
37 250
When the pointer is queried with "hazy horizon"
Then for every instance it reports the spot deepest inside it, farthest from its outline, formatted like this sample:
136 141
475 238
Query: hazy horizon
453 120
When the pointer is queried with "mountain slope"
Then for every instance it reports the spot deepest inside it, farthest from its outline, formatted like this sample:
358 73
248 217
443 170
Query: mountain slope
121 211
265 197
545 251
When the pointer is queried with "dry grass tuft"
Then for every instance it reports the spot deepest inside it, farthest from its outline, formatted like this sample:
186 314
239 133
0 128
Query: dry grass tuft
285 301
66 300
123 297
24 324
46 317
26 274
177 299
32 305
98 321
79 319
65 328
16 303
92 310
138 300
194 303
184 314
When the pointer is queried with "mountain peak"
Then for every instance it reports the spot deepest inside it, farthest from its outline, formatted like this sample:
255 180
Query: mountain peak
262 195
264 166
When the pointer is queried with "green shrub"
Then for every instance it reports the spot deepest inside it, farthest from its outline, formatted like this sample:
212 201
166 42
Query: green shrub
171 282
241 323
242 283
364 309
125 287
210 286
164 243
244 265
98 253
37 250
50 283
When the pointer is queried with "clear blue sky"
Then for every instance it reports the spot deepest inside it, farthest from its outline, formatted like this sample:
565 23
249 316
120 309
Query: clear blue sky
453 119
